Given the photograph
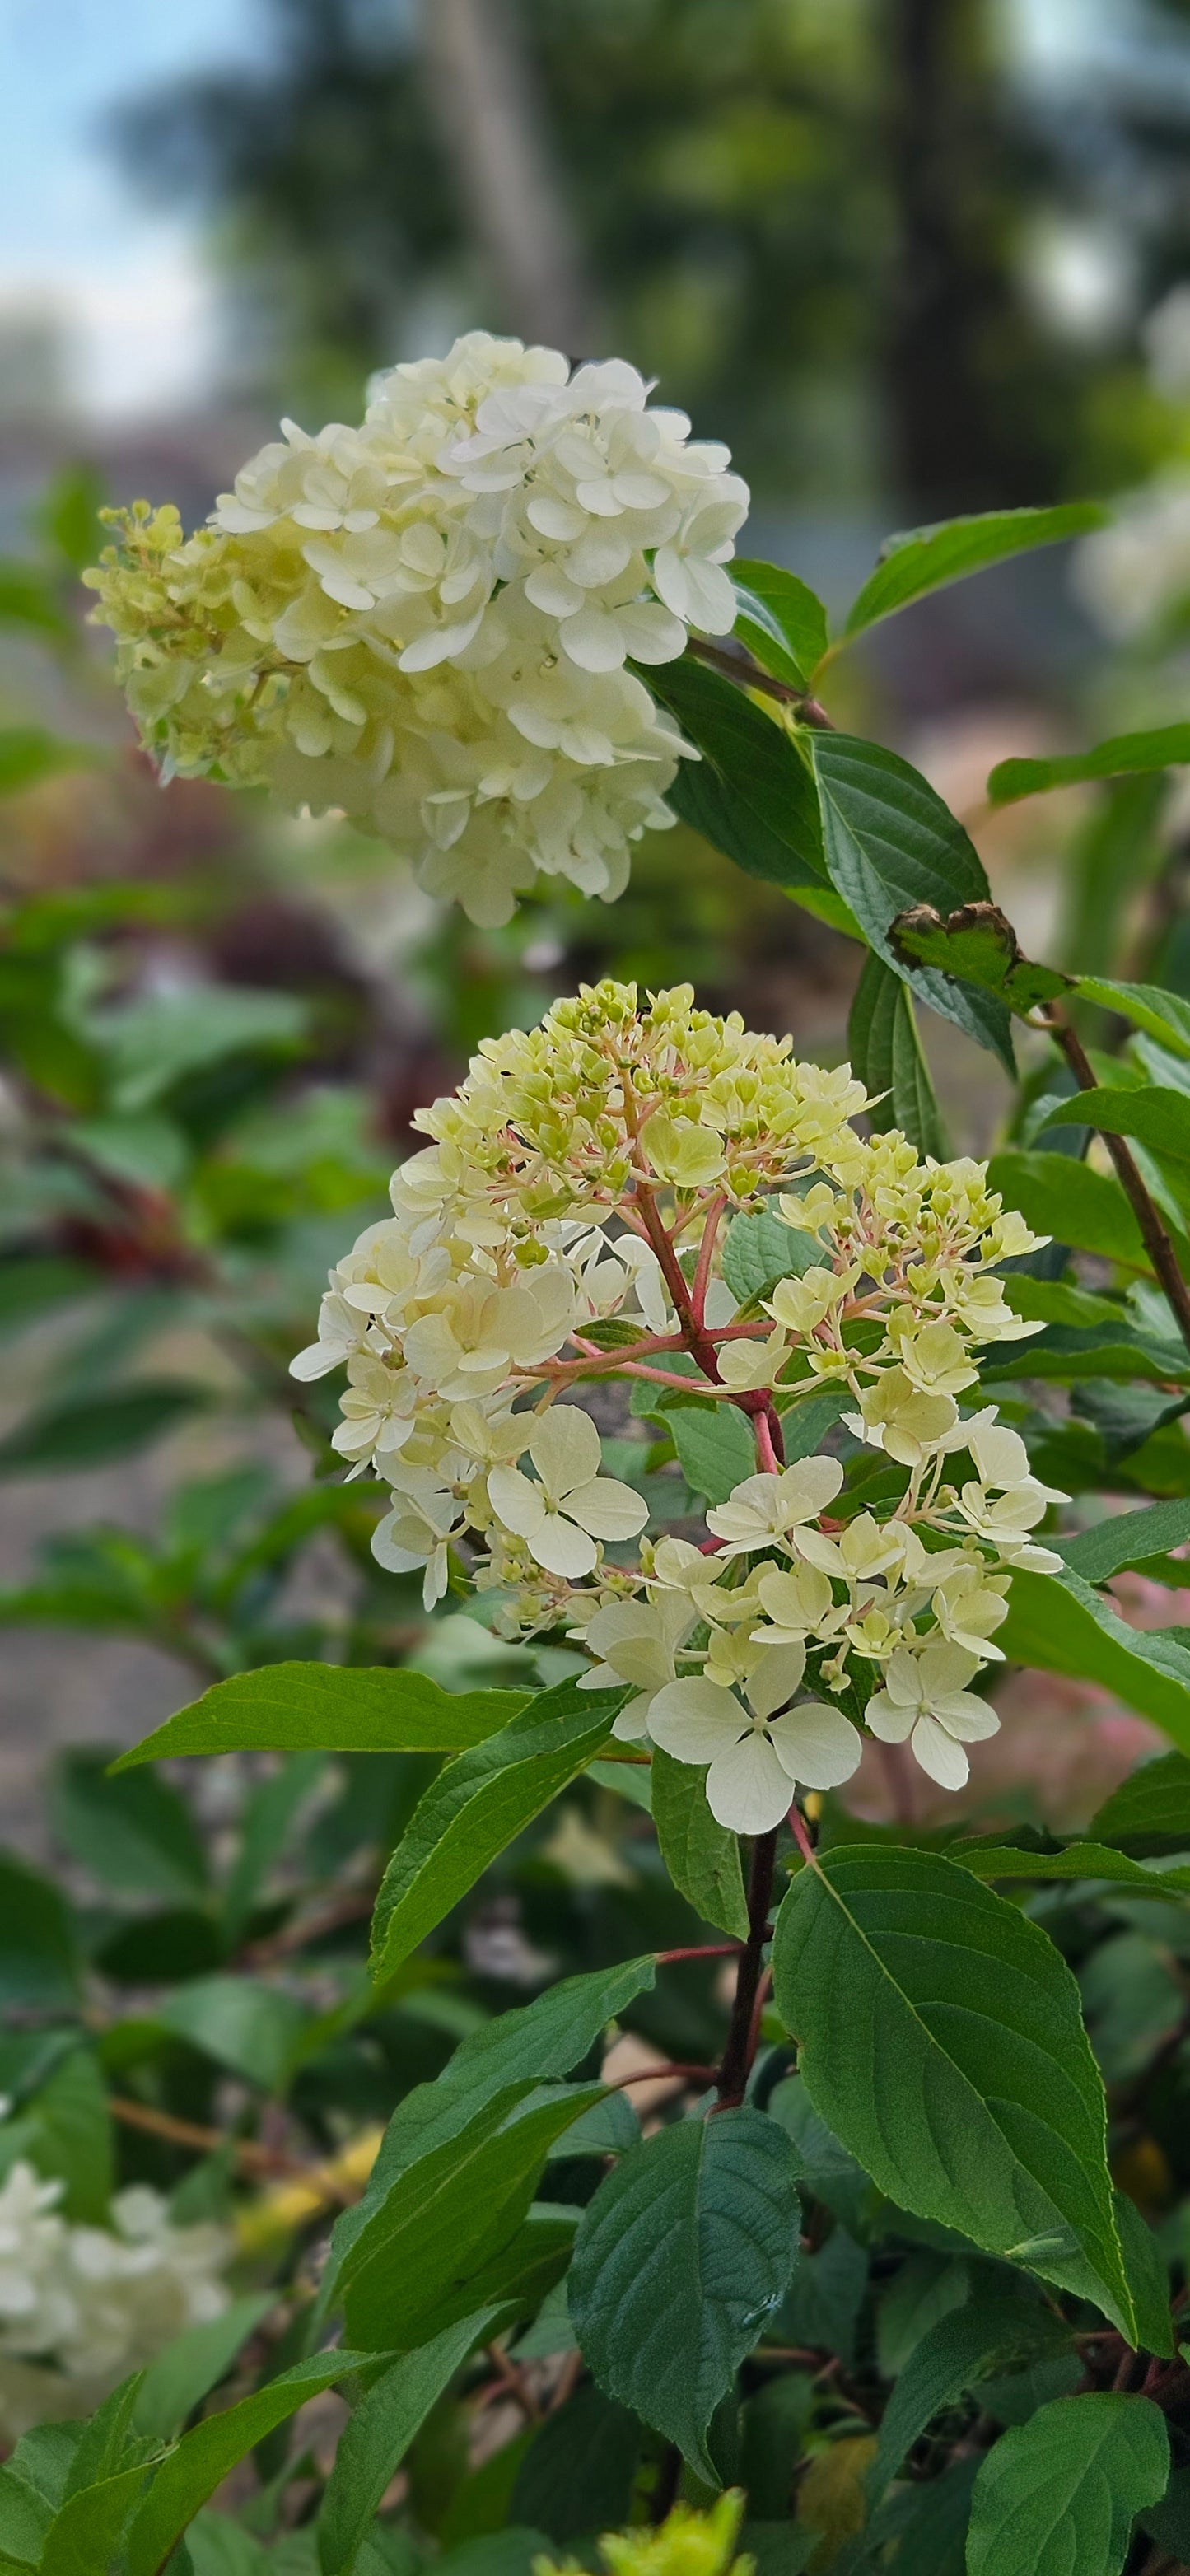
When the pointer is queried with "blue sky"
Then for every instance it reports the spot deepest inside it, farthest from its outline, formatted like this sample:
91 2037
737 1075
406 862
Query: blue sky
129 285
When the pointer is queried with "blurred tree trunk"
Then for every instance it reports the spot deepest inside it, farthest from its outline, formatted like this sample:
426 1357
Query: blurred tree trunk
493 130
953 319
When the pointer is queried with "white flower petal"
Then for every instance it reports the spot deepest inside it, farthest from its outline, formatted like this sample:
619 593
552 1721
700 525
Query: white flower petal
748 1790
939 1756
775 1678
516 1501
607 1509
889 1718
564 1448
817 1745
694 1720
561 1548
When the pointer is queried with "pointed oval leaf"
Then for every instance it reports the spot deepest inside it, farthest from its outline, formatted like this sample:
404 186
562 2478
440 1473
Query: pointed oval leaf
373 2445
331 1708
781 620
478 1805
1063 2490
1150 1812
702 1858
941 2037
1057 1623
1123 755
890 843
925 559
685 2250
201 2460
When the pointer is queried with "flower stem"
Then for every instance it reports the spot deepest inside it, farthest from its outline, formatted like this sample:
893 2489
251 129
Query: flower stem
736 2064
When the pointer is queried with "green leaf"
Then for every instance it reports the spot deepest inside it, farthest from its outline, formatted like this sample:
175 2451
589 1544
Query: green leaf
1160 747
28 599
760 1249
1061 1197
1127 1538
824 2169
477 1806
253 2029
374 2442
702 1858
925 559
187 2369
1148 2280
150 1153
155 1041
201 2460
531 2044
990 2335
1155 1117
885 1051
72 2141
976 944
750 793
1151 1810
1058 1624
31 1284
1063 2490
265 1824
1164 1016
89 1434
686 2248
824 2298
29 755
136 1835
330 1708
86 2533
578 2473
1079 1860
780 620
940 2035
715 1446
889 843
39 1962
421 2254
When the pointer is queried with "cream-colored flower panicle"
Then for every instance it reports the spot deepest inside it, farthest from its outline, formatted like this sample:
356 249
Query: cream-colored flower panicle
426 622
644 1193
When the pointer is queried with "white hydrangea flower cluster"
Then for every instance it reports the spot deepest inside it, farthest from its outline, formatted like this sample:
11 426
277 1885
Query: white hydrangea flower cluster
568 1224
80 2307
425 622
1134 576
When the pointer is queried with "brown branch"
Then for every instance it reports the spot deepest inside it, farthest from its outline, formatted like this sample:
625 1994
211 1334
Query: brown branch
749 674
270 2164
1153 1232
736 2063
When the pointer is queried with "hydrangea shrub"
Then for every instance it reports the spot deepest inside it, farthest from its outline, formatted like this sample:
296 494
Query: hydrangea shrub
716 1382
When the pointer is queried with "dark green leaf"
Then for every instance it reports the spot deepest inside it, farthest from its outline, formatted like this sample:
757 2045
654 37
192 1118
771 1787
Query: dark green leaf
374 2442
264 1826
940 2035
477 1806
780 620
187 2369
28 599
88 1434
751 793
1150 1812
531 2044
889 843
1063 2490
996 2333
1148 2280
685 2250
1164 1016
886 1056
824 2298
253 2029
760 1249
1127 1538
702 1858
39 1963
1124 754
154 1041
135 1834
331 1708
1079 1860
715 1446
201 2460
418 2260
1168 2523
72 2141
577 2475
1056 1622
32 1284
1061 1197
824 2169
925 559
86 2533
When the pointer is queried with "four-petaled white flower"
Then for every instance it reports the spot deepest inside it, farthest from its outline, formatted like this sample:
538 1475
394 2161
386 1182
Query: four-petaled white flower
756 1755
769 1508
925 1699
638 1641
561 1518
